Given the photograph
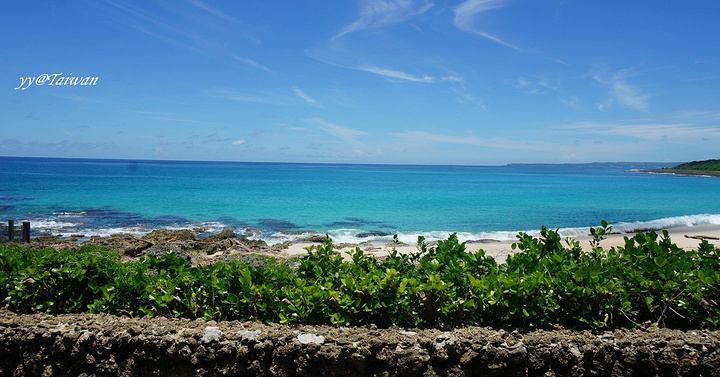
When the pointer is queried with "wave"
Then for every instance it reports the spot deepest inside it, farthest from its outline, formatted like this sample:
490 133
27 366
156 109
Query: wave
67 223
356 236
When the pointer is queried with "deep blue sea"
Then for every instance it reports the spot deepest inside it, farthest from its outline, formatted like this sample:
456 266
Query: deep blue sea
282 201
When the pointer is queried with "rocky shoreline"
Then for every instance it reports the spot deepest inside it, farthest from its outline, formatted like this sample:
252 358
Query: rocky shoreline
105 345
186 243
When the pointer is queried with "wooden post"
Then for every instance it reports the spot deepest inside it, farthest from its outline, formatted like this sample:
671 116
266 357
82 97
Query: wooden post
26 231
11 230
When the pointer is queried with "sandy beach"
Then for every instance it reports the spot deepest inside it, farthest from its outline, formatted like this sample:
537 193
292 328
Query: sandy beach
687 238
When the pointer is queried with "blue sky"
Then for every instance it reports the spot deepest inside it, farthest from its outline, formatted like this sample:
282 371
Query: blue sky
481 82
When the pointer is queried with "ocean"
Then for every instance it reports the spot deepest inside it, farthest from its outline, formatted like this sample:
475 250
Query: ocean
279 202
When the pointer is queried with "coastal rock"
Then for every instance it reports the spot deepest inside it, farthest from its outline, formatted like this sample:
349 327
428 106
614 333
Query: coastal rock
167 235
315 238
123 243
192 249
184 243
254 244
225 234
372 234
49 241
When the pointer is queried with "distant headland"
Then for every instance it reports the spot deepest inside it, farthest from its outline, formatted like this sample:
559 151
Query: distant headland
704 168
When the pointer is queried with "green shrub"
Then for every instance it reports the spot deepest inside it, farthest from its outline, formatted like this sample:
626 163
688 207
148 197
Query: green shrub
549 281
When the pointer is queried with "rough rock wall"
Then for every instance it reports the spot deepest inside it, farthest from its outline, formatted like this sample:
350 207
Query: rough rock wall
102 345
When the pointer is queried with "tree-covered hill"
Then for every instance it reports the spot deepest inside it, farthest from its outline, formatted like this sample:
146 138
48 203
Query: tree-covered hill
706 165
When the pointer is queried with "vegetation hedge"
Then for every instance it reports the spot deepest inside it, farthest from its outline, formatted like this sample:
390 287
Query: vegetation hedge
706 165
548 282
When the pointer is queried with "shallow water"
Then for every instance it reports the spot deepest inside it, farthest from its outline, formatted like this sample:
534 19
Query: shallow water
280 201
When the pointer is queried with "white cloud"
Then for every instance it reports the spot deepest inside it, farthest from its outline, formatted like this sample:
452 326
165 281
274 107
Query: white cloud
169 117
380 13
211 10
453 78
427 137
310 101
252 63
467 12
239 142
622 92
294 128
396 74
650 131
242 97
466 97
572 102
341 132
534 86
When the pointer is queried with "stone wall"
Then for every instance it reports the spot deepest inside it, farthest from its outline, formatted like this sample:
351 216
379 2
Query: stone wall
103 345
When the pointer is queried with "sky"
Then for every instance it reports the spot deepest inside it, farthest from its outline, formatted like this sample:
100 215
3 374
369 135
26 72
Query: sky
474 82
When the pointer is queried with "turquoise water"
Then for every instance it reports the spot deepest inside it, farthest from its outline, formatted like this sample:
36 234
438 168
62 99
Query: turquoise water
277 201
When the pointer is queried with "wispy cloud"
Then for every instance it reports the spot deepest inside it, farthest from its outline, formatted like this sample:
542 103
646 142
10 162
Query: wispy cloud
681 127
242 97
252 63
453 78
309 100
75 97
189 24
380 13
428 137
466 97
396 74
293 128
207 8
239 142
539 85
169 117
702 78
345 133
622 92
44 148
467 13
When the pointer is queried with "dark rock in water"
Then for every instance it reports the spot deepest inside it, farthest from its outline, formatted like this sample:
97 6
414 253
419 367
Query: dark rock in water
276 224
225 234
166 235
483 240
315 238
372 234
123 243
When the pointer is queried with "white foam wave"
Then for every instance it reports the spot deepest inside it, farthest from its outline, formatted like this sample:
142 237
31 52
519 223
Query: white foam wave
351 235
52 225
669 223
209 226
63 225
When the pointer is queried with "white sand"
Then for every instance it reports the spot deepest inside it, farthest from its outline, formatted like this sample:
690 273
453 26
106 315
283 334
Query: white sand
500 250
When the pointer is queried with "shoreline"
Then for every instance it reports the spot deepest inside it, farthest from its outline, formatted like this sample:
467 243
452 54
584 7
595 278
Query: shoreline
692 173
227 245
500 250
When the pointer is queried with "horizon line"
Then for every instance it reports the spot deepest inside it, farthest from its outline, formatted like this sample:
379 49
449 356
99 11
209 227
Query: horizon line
335 163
